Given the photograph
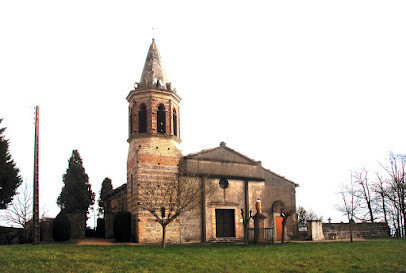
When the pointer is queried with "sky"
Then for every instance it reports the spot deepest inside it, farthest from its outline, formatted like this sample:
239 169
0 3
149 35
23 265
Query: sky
313 89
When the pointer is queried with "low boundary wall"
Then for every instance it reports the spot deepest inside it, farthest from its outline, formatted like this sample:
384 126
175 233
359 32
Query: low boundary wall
333 231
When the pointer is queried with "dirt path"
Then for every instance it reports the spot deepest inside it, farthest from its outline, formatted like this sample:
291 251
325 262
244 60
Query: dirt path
100 242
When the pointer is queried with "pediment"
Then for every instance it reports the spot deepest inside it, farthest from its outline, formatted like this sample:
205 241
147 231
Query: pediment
222 154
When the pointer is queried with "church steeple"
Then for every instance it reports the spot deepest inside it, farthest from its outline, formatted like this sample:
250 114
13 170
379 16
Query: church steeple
154 138
153 74
153 104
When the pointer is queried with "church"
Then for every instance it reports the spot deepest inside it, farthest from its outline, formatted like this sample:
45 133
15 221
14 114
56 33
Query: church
236 182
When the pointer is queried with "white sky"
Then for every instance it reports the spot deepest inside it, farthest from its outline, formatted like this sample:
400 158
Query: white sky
313 89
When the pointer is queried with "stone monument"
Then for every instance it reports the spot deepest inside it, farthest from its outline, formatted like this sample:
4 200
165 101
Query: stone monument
259 224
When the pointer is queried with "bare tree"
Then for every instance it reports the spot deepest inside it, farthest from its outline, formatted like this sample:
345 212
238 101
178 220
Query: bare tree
285 215
379 187
396 191
19 211
364 192
303 215
168 198
350 204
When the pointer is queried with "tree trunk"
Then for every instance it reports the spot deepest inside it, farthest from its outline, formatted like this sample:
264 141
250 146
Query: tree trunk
371 215
384 208
404 220
399 223
285 219
163 235
283 232
245 232
351 230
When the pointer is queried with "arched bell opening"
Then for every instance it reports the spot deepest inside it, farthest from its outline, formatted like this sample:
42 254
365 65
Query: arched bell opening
161 119
175 122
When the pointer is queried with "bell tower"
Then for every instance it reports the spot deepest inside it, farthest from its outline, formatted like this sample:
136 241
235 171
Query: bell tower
154 138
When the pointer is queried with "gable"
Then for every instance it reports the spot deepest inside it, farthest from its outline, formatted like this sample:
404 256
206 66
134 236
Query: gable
222 154
221 162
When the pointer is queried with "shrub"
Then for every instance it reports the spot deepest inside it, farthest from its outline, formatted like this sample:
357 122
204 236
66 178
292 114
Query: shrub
100 230
122 226
61 227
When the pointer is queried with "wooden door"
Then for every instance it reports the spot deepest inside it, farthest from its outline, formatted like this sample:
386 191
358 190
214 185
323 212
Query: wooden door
225 223
279 228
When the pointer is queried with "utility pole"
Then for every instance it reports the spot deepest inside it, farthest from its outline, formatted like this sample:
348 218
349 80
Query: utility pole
35 218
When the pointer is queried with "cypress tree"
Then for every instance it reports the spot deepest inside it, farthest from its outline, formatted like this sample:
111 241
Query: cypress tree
10 179
106 188
76 195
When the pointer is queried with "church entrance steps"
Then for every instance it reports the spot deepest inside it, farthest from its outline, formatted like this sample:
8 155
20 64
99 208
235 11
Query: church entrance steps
226 240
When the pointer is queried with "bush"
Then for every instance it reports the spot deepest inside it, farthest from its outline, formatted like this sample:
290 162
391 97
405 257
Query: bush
100 230
122 226
61 227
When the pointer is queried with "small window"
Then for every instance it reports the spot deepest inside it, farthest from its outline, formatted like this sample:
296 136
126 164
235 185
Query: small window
223 183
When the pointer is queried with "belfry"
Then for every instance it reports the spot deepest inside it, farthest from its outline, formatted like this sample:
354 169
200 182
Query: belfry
154 135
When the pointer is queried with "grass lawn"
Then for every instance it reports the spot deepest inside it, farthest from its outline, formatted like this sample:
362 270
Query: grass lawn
365 256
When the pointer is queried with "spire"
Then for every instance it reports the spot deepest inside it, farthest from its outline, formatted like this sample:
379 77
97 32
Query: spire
153 75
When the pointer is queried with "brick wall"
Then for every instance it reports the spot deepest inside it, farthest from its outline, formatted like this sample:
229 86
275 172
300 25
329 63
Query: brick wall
152 159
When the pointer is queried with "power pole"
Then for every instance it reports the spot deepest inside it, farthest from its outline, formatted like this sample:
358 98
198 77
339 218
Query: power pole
35 218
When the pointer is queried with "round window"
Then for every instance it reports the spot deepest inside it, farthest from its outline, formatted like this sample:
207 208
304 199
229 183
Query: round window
223 183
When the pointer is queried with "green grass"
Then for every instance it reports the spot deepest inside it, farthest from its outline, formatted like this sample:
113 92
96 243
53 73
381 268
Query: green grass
365 256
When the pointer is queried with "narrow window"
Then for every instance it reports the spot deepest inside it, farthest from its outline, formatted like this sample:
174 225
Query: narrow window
161 124
142 119
130 119
175 123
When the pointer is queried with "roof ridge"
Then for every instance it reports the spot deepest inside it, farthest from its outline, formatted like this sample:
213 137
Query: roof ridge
278 175
222 145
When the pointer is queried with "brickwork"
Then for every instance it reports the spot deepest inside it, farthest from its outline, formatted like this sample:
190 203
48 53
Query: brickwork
153 157
152 99
150 160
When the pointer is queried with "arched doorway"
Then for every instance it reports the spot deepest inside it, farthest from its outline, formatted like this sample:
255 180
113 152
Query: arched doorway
277 208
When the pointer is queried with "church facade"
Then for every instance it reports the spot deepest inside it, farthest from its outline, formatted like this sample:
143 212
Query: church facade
236 182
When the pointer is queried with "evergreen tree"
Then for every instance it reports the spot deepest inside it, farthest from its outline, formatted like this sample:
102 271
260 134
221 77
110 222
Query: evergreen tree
106 188
76 195
61 227
10 179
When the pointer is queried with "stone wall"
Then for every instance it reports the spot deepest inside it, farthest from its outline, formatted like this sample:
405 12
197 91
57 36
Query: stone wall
279 189
10 235
232 198
77 225
333 231
46 226
315 230
108 225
